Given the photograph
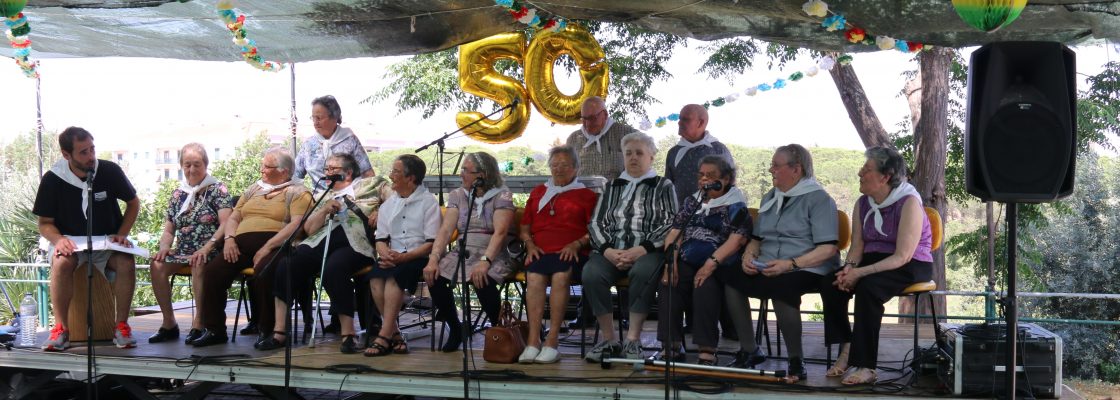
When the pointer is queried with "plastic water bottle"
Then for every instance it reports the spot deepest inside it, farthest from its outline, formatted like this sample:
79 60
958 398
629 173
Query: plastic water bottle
28 320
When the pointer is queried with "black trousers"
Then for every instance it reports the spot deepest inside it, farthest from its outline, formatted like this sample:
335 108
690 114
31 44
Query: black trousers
706 302
304 265
871 293
444 300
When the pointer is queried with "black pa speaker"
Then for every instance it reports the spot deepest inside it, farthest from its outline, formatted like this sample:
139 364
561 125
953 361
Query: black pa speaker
1020 135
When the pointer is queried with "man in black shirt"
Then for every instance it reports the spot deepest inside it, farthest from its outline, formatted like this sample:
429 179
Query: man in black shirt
61 204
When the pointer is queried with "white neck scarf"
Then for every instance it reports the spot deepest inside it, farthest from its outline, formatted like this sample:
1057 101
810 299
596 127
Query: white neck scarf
337 137
806 185
900 192
551 190
632 182
685 145
346 191
192 191
731 197
594 138
481 201
62 170
267 188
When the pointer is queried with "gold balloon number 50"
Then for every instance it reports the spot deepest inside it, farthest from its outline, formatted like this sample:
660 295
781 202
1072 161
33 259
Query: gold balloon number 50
478 77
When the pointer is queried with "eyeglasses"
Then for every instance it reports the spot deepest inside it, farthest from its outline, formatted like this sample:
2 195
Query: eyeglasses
593 116
560 166
467 171
332 168
395 171
270 166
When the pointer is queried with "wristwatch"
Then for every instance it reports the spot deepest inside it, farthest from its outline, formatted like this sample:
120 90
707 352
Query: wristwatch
795 266
485 258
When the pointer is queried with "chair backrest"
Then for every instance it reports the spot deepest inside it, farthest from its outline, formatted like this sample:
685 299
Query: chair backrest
844 227
935 226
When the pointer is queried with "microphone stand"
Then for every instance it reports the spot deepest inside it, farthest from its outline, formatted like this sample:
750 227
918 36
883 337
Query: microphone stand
441 150
285 248
464 292
674 257
91 388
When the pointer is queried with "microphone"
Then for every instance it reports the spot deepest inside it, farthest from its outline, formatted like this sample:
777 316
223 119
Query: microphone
477 183
333 178
516 101
90 174
717 185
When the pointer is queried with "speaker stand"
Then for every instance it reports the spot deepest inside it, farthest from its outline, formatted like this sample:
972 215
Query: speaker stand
1011 309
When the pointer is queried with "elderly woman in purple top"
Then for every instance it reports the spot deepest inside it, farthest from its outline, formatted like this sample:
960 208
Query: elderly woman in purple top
891 245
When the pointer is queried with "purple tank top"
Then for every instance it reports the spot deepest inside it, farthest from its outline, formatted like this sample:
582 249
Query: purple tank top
875 242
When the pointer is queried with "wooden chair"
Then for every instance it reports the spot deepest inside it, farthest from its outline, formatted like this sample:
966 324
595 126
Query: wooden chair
918 289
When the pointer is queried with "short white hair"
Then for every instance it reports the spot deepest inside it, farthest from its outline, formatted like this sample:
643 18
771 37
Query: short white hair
641 138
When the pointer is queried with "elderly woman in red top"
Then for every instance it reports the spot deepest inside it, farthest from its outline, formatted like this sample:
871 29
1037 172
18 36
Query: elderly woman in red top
554 230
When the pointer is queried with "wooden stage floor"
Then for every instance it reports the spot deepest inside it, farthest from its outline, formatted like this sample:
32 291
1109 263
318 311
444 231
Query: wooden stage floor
436 374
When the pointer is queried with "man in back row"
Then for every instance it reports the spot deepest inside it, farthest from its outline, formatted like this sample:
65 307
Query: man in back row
599 140
62 205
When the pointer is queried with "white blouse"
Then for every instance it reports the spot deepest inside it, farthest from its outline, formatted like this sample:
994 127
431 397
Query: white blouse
406 223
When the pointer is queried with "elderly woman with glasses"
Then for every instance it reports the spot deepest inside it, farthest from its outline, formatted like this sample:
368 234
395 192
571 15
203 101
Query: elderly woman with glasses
891 249
405 232
486 227
344 214
793 246
190 235
627 232
715 225
554 230
330 138
265 215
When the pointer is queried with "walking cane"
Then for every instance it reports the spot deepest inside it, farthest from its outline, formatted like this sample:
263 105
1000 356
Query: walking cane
319 290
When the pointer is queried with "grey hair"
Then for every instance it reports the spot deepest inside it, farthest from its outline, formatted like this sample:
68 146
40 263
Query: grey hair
798 154
349 164
333 109
197 148
283 157
488 166
726 169
641 138
414 167
888 162
565 149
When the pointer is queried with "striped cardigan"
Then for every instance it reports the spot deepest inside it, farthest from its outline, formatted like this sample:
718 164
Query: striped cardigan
641 220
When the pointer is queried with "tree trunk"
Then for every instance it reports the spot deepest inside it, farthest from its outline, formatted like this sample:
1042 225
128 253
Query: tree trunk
930 134
855 100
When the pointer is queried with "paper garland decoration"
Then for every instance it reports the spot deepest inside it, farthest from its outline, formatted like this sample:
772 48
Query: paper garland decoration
530 16
824 64
11 8
236 24
854 34
17 32
989 15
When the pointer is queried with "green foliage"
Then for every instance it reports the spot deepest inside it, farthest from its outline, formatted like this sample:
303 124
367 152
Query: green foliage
728 58
244 168
430 82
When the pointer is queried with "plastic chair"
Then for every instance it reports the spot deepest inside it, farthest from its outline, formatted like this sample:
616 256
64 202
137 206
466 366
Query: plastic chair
918 289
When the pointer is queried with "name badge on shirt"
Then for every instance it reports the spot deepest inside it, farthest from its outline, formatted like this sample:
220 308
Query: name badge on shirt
100 196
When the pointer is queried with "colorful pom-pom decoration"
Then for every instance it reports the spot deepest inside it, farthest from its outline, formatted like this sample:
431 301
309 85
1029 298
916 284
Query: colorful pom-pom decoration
834 23
844 59
855 34
11 8
236 24
885 42
815 8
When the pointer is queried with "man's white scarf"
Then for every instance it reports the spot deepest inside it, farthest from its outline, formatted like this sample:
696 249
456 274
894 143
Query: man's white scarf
731 197
551 190
632 182
685 145
192 191
339 135
62 170
900 192
481 201
594 139
806 185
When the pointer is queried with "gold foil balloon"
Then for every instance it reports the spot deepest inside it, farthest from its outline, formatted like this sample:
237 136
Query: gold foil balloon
478 77
547 46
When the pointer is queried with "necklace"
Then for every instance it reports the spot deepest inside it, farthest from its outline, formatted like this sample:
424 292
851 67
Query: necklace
552 207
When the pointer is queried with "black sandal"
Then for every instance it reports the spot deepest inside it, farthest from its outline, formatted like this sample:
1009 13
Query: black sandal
270 343
382 349
399 345
703 361
349 344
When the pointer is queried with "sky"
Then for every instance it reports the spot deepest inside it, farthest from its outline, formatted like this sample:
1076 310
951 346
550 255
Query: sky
132 102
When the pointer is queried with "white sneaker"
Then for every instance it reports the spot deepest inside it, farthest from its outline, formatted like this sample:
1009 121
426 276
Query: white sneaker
529 355
548 355
632 349
604 349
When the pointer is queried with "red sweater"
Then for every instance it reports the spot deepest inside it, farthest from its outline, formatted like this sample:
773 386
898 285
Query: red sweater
572 214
